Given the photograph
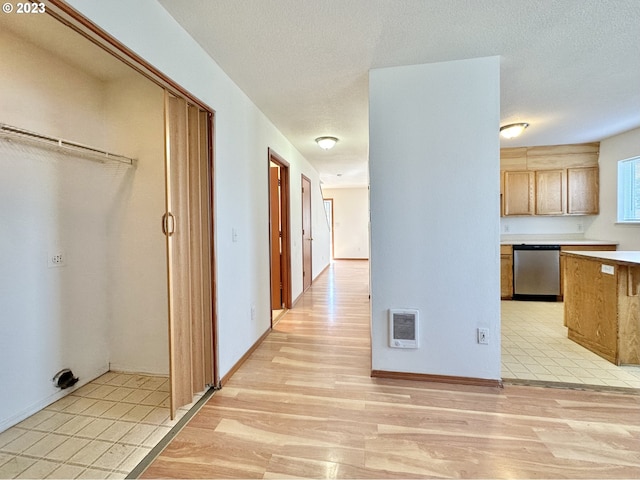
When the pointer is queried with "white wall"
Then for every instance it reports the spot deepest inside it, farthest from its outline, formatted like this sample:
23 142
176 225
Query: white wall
435 228
350 222
243 135
569 225
137 287
613 149
50 318
57 100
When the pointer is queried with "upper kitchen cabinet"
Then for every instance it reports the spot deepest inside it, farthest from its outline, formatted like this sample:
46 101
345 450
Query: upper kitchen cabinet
551 196
553 180
583 191
518 193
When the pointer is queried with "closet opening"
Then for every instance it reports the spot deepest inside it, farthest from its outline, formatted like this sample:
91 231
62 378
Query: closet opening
94 247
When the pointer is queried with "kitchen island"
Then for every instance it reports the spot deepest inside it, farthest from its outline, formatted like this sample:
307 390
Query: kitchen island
602 303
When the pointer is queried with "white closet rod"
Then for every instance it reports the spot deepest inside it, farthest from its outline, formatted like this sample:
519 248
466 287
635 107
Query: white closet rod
95 153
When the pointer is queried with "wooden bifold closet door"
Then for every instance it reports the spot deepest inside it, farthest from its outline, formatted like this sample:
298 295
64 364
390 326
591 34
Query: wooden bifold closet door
187 226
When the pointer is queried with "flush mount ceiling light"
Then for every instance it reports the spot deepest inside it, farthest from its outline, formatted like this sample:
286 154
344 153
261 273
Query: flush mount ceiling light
326 142
513 129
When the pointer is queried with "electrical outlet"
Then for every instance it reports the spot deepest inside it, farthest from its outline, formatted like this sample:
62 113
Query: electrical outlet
580 227
56 259
253 313
483 336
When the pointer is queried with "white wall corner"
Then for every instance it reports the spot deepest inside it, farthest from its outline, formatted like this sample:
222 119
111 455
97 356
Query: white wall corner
435 214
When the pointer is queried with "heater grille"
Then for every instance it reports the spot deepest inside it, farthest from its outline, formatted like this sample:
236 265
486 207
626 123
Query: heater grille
403 328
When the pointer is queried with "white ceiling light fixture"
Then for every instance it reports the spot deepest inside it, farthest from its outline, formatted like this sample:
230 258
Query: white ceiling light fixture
513 130
326 143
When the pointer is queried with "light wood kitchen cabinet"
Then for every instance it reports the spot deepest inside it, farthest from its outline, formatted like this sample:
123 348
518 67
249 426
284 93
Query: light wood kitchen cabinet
567 191
550 180
506 272
551 197
519 193
583 191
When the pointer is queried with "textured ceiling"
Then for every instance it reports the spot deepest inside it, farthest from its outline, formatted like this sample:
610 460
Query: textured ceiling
571 68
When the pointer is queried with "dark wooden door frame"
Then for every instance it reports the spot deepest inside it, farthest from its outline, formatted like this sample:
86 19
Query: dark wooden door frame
285 201
275 235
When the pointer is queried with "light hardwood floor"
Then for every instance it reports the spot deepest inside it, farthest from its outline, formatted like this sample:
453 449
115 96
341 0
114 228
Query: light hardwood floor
304 406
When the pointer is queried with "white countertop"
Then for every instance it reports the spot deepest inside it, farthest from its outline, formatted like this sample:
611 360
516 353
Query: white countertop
617 256
547 240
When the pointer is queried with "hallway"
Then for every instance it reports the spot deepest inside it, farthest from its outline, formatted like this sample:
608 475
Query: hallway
304 406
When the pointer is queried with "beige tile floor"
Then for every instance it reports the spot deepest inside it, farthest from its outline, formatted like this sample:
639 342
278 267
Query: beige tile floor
535 347
102 430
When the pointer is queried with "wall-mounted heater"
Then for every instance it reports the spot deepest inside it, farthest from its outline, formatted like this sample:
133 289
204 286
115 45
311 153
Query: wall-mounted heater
403 328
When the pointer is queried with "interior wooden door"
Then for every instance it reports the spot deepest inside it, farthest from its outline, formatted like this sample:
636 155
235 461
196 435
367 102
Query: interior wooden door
186 225
307 237
284 201
275 232
177 237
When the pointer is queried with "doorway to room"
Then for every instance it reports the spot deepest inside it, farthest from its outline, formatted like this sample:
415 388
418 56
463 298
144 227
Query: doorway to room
279 234
328 210
307 237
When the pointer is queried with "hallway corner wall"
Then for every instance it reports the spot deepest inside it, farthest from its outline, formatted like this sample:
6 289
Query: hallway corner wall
435 214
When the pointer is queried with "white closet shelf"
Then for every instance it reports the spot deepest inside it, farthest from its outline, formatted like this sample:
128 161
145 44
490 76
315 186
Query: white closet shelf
59 144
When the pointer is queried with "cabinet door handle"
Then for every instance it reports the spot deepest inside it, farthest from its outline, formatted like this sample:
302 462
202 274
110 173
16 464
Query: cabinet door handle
168 224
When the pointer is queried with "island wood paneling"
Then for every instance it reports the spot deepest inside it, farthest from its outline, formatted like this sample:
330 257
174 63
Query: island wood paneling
590 306
580 248
629 315
602 310
303 405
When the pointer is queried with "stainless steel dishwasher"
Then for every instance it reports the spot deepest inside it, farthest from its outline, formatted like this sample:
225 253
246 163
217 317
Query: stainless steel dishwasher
536 272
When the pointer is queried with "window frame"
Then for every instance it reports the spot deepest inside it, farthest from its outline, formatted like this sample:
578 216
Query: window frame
628 208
